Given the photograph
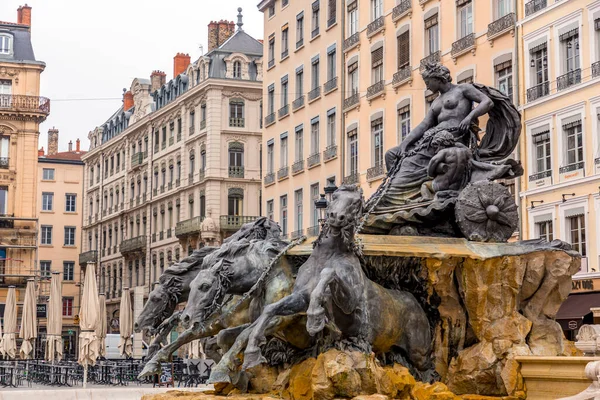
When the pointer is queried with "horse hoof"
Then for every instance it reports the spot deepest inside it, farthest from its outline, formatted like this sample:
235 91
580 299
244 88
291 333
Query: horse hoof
217 376
151 368
252 359
315 324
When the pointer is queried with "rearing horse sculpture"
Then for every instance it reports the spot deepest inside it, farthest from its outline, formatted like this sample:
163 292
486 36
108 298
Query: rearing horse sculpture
332 287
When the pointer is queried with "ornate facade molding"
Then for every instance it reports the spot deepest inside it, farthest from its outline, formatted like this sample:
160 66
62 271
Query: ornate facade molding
243 95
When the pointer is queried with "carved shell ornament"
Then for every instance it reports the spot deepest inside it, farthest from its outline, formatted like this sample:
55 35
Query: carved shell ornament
486 212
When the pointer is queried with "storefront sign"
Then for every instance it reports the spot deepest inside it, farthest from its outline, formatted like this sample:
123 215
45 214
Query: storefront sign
573 325
41 310
584 285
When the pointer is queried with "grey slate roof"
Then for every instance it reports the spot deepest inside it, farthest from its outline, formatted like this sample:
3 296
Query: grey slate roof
22 48
241 42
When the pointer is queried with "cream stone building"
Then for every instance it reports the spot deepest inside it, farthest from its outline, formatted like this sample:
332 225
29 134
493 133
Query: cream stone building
177 167
21 112
60 209
367 56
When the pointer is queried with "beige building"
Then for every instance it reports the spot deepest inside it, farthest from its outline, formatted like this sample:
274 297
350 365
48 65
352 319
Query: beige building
177 167
376 48
60 208
21 111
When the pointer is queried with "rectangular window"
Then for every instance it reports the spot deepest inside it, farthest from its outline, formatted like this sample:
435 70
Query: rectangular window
540 64
272 9
270 210
47 201
5 88
299 83
3 200
67 307
503 7
403 49
45 269
314 136
574 138
432 44
504 78
270 158
46 235
570 43
271 52
543 156
284 92
5 44
71 202
376 9
48 174
236 112
403 123
69 236
315 74
284 43
68 271
4 153
352 18
314 196
300 30
315 19
377 133
377 65
284 152
271 99
331 12
576 226
284 215
299 144
465 18
544 230
331 70
353 78
353 152
331 128
299 210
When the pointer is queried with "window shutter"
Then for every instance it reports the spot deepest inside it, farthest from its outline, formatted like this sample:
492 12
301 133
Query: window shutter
539 47
352 67
431 21
570 34
377 57
462 2
376 122
503 65
403 50
332 9
352 6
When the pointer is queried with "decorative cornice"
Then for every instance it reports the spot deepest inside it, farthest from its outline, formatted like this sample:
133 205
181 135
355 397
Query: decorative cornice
243 95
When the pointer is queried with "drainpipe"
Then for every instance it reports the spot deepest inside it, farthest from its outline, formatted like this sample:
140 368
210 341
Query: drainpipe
517 99
342 152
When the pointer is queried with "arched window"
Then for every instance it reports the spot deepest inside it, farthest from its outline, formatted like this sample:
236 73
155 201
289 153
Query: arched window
236 160
237 70
192 164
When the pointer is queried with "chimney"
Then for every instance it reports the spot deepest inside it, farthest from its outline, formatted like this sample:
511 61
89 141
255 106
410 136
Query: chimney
41 152
78 145
52 141
24 15
180 63
157 80
70 146
219 33
127 100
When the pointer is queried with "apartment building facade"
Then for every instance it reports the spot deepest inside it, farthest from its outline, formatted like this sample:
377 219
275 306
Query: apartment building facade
373 51
177 167
303 99
60 208
21 112
560 75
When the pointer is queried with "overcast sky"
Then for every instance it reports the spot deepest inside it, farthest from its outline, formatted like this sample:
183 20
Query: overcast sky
94 49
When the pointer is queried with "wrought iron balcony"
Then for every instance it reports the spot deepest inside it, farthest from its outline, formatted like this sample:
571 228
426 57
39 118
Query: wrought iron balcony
161 235
4 162
284 111
571 167
269 178
169 185
271 64
403 75
314 33
463 45
314 94
203 124
331 21
330 152
137 159
401 9
375 90
538 91
190 179
270 119
188 227
351 41
284 54
283 173
88 256
132 245
569 79
163 145
171 140
535 6
192 129
154 238
313 159
297 167
351 179
540 175
375 172
177 182
236 172
297 234
299 43
375 26
501 25
432 58
596 69
236 122
201 174
24 104
330 85
169 233
313 231
298 103
351 101
235 222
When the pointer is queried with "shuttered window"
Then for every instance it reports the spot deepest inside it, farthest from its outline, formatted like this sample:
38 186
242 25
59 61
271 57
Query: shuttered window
332 12
377 57
403 50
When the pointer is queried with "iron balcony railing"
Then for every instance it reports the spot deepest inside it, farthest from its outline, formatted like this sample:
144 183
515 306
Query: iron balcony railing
597 160
235 222
569 79
331 21
298 166
351 41
375 89
192 129
351 179
190 179
177 182
299 43
283 173
571 167
135 244
432 58
403 75
376 171
538 91
375 26
463 44
236 172
313 231
314 33
202 124
284 111
401 9
351 101
330 152
171 140
314 94
298 103
271 63
163 145
17 102
169 233
236 122
330 85
4 161
161 235
137 159
284 54
297 234
596 69
540 175
201 174
88 256
269 178
270 119
535 6
313 159
502 24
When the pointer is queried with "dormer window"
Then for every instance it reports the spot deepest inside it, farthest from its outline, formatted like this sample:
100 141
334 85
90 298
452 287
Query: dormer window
237 70
5 44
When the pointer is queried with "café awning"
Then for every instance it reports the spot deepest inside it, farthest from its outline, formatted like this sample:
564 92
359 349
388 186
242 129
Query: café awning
577 306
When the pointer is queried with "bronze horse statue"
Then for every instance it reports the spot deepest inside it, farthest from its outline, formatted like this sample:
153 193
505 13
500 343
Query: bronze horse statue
332 289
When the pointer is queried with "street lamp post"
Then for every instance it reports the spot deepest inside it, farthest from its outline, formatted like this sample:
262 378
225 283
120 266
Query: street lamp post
329 190
321 206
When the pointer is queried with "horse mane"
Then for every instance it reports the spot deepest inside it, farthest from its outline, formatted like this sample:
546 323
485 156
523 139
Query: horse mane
263 229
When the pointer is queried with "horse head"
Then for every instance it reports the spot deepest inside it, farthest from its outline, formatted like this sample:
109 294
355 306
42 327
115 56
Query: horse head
206 292
160 305
345 208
